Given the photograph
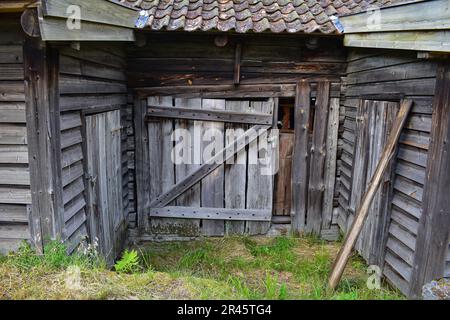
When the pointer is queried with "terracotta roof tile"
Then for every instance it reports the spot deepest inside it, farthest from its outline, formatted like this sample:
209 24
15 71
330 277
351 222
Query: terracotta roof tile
249 15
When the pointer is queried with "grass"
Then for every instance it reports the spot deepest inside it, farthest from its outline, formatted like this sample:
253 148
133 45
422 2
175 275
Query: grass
225 268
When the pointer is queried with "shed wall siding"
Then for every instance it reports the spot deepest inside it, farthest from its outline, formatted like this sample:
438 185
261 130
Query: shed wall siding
391 76
15 195
92 80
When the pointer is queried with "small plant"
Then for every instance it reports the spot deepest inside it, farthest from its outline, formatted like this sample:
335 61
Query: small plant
129 263
24 258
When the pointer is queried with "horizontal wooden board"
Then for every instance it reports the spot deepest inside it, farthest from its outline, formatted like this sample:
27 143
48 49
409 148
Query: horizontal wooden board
12 112
14 176
91 102
11 71
13 213
402 235
399 265
69 84
11 54
71 137
14 231
411 172
209 115
71 173
12 91
408 205
70 120
13 134
405 220
13 195
13 154
71 155
73 66
74 207
424 87
211 213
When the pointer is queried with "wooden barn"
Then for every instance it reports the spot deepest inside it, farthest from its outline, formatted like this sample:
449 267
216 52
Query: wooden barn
176 119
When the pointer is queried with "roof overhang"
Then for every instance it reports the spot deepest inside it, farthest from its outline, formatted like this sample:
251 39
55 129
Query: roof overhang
85 20
7 6
419 25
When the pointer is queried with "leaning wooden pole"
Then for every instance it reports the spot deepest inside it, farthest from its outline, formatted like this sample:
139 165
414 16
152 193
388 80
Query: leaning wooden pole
361 215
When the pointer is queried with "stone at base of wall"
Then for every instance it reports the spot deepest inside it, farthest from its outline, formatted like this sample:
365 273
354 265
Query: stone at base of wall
437 290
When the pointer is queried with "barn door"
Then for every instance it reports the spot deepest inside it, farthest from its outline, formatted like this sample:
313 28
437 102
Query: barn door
211 166
374 121
103 146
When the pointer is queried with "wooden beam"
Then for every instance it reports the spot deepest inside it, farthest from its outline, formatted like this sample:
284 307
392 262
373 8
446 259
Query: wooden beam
434 230
316 184
55 29
241 91
211 213
361 215
99 11
41 65
300 157
426 15
438 41
209 166
237 63
209 115
16 5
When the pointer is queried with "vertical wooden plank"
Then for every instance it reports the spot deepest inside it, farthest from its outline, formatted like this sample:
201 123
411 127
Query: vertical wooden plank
260 178
283 192
91 163
187 135
300 157
212 186
434 230
330 164
41 72
359 160
316 187
236 173
145 175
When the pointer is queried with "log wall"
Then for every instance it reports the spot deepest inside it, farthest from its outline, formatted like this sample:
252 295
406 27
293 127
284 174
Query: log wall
15 194
390 76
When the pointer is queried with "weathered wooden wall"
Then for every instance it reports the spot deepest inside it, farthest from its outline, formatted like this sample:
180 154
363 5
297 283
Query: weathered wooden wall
389 76
15 195
192 66
92 80
193 59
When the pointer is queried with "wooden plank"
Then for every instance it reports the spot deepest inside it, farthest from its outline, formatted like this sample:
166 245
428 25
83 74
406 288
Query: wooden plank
11 53
11 71
300 157
211 213
209 166
13 134
358 222
92 102
235 169
13 213
70 138
13 154
76 84
261 168
55 29
102 12
14 231
71 173
13 195
399 266
405 220
70 120
283 192
438 41
402 235
410 16
212 192
12 91
189 159
210 115
14 176
316 188
12 112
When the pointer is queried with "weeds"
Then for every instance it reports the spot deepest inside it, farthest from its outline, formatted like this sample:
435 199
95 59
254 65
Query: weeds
226 268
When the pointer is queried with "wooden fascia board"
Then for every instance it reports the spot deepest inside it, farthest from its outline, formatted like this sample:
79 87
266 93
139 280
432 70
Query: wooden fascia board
426 15
434 41
98 11
56 29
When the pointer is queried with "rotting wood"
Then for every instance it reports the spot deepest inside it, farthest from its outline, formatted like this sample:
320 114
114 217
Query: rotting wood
355 229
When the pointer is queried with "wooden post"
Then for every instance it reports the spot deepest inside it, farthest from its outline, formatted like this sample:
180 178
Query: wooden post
316 183
300 157
142 163
41 72
434 230
355 229
237 64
